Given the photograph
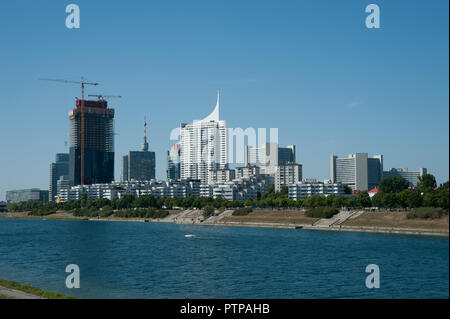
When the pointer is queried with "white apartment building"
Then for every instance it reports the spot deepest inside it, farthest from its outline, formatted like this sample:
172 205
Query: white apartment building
238 189
247 171
173 188
203 146
221 176
302 190
286 175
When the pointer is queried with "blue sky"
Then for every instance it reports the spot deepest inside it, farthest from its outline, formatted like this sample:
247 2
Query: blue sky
310 68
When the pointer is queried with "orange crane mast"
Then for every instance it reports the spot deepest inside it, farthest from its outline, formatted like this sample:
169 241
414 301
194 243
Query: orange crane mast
83 83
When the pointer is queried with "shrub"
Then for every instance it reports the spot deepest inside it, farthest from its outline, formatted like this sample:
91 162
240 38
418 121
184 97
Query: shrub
425 213
322 212
242 211
208 211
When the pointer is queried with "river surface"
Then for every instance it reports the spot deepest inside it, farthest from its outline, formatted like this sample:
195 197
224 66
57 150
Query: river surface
156 260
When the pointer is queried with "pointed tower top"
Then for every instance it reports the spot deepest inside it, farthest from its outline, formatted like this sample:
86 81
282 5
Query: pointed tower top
214 116
145 144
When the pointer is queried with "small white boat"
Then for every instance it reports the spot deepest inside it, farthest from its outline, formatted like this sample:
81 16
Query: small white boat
189 235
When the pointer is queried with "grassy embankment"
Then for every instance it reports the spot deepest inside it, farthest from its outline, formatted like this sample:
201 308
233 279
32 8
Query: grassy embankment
285 216
398 220
27 288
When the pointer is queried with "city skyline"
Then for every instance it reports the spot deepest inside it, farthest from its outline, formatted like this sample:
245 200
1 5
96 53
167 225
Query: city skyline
376 101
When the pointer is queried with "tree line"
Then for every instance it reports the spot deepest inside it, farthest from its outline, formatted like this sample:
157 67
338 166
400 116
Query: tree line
393 193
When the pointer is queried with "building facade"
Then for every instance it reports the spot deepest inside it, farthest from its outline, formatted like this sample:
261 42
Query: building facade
98 143
302 189
411 176
173 162
204 146
358 171
286 175
57 169
221 176
139 165
247 172
269 156
25 195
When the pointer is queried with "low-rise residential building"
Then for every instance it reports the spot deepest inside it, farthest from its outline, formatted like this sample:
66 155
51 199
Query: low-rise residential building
302 190
247 171
172 188
221 176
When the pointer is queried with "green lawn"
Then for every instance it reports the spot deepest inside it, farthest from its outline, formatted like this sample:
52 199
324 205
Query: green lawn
31 290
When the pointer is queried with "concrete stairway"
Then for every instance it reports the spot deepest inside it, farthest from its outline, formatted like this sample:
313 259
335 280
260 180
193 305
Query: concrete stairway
216 218
337 219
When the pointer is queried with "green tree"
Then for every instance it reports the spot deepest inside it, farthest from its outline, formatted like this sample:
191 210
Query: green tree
208 211
364 199
347 190
393 184
426 182
414 199
430 199
390 200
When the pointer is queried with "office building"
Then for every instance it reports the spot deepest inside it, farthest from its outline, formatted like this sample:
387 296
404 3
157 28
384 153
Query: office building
173 162
203 146
287 174
139 165
269 156
25 195
411 176
286 155
57 169
98 143
358 171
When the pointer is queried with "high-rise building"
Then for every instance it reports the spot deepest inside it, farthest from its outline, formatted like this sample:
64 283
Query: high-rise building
139 165
286 155
411 176
268 156
173 162
204 146
358 171
286 175
98 143
25 195
57 169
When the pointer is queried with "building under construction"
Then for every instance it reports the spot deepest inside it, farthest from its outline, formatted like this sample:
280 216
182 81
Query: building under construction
98 143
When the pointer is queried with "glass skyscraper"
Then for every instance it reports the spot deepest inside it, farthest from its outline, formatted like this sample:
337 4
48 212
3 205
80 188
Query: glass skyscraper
57 169
173 162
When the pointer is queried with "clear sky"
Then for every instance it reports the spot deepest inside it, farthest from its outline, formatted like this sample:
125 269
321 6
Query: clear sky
310 68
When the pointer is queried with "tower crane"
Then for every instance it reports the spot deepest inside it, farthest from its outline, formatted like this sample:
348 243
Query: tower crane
83 83
102 97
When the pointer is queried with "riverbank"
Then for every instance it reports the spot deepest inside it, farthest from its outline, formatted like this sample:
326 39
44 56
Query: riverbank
374 222
15 290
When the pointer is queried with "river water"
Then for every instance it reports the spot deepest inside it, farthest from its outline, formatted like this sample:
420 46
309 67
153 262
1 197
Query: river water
156 260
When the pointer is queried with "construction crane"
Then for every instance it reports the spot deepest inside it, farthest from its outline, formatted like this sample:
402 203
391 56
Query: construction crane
83 83
102 97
